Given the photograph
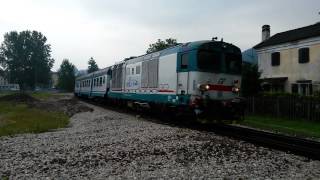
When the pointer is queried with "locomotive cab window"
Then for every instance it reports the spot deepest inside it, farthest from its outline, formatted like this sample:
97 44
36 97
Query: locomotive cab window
184 61
233 63
209 61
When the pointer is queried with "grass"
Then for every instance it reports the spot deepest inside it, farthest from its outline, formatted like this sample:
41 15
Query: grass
37 95
44 95
4 93
292 127
19 118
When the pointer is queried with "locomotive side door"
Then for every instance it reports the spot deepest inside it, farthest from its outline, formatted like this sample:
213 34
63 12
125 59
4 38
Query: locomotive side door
183 73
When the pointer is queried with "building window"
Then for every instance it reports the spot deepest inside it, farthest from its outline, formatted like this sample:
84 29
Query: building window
295 88
303 55
132 71
184 61
138 70
275 59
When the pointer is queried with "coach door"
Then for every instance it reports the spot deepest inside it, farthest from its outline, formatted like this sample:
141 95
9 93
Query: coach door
183 73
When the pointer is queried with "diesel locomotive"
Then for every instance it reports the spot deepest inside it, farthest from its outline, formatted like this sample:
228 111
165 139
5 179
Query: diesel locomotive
202 77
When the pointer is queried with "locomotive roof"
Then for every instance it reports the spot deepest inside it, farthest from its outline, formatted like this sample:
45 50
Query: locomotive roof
171 50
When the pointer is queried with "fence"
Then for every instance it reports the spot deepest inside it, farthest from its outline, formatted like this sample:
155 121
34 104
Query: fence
295 108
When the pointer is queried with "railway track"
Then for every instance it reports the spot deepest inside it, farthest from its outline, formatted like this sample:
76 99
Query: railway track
295 145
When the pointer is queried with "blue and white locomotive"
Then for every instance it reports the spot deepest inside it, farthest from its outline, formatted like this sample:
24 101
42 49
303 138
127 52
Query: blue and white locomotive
202 77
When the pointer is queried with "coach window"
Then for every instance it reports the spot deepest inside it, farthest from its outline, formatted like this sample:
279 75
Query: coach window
104 80
138 70
275 59
184 61
303 55
100 81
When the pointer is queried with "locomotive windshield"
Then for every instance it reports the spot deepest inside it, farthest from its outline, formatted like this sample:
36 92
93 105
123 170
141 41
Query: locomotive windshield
215 61
233 63
209 61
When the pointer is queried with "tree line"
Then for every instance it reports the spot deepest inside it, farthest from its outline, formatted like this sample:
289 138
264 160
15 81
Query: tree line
25 59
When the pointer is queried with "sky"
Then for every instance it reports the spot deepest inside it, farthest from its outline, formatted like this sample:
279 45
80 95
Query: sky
111 30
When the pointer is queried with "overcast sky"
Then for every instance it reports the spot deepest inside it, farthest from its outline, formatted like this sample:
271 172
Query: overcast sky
110 31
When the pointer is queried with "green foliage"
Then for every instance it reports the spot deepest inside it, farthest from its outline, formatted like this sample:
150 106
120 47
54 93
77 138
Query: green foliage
26 58
19 118
287 126
92 65
160 45
66 76
315 96
250 85
44 95
316 93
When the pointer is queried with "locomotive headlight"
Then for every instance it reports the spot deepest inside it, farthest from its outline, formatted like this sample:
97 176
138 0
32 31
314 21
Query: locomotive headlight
203 87
235 89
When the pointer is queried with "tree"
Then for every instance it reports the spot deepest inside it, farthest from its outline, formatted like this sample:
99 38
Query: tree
250 85
160 45
92 65
26 58
66 76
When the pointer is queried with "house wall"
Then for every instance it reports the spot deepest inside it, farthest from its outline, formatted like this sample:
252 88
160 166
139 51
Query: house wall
289 63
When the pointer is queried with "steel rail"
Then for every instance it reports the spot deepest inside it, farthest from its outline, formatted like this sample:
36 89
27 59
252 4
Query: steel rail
295 145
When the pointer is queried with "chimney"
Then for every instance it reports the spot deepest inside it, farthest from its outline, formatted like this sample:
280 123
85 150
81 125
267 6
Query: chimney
265 32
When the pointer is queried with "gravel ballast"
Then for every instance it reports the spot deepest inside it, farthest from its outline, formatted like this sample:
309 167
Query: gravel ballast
107 144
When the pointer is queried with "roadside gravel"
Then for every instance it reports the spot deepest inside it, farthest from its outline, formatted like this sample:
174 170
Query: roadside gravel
106 144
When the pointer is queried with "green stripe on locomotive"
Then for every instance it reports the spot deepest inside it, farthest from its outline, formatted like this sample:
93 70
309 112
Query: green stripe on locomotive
155 98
